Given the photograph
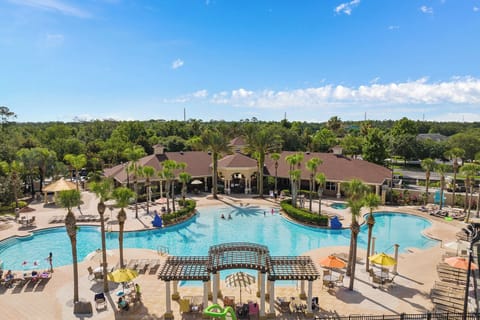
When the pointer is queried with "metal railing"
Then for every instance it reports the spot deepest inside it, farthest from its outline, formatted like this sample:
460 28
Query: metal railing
407 316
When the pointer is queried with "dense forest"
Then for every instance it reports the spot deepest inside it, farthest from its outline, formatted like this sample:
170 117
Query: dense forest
35 151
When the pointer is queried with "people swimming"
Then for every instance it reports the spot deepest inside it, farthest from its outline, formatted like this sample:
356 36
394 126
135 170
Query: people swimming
229 216
222 216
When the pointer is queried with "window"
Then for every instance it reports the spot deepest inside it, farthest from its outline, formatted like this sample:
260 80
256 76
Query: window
332 186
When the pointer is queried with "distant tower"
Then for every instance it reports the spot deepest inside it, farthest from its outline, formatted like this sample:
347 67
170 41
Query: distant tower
285 116
184 114
365 117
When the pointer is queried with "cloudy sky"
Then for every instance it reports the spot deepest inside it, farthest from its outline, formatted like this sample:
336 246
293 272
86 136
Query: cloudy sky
235 59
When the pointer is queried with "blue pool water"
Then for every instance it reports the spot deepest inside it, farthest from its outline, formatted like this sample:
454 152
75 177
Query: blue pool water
339 205
194 237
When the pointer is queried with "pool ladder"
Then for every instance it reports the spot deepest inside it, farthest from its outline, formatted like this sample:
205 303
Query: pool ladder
163 250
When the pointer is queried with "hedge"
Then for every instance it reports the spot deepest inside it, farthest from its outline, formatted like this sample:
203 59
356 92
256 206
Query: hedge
181 214
303 215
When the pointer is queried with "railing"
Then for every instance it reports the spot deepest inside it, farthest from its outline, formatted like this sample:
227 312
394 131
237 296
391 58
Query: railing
406 316
163 250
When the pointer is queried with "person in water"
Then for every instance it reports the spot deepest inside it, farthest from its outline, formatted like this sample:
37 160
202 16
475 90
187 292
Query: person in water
229 216
222 216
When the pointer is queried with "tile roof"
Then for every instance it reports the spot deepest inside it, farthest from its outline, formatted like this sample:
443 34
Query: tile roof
237 160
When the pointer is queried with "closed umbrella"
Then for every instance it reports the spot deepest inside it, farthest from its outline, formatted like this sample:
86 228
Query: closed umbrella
97 255
239 279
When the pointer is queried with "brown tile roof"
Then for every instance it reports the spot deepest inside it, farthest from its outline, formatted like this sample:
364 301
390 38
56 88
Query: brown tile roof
238 141
237 160
335 168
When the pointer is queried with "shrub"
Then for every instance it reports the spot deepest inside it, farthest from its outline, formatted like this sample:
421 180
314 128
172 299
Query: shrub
187 210
303 215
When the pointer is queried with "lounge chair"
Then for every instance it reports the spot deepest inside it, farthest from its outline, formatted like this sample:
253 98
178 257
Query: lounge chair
315 305
197 304
283 304
94 275
100 301
339 281
184 305
154 265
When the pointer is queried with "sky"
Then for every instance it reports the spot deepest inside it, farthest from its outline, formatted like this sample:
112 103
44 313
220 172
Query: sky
308 60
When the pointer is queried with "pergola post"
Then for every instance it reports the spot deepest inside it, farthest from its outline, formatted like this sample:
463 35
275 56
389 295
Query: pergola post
175 287
215 288
262 295
339 193
302 287
309 298
206 288
373 247
168 301
272 297
396 258
259 285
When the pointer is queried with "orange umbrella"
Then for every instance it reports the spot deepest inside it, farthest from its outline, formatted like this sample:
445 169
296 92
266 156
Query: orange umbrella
460 263
332 262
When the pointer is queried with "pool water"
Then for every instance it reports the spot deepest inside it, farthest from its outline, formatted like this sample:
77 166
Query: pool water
339 205
194 237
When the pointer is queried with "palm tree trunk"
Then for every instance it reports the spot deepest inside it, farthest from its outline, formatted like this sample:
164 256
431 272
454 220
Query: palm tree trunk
135 185
148 196
214 176
454 182
426 189
121 225
320 203
101 211
369 244
173 195
350 254
73 241
310 198
260 175
167 190
442 183
354 261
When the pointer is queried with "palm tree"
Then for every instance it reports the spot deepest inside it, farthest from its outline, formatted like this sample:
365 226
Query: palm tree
45 158
441 169
261 141
428 165
122 195
321 180
371 201
133 154
312 166
216 143
13 169
103 190
185 178
469 170
168 173
454 154
275 157
77 162
294 160
148 172
69 199
355 190
27 157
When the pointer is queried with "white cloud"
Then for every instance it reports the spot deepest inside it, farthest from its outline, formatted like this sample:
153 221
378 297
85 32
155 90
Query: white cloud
476 9
426 10
347 7
393 27
54 5
456 91
177 64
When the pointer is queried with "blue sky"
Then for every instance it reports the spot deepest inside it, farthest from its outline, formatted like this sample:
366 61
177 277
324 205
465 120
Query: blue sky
224 59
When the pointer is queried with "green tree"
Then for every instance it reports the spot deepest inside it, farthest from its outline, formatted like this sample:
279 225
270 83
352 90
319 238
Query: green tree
441 169
27 157
185 178
77 162
323 140
374 148
454 154
45 159
321 180
103 190
469 170
69 199
13 170
123 196
335 124
5 116
148 172
428 165
275 157
133 154
371 201
352 145
293 161
312 166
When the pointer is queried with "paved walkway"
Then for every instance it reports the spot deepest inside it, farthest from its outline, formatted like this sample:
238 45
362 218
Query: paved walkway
53 300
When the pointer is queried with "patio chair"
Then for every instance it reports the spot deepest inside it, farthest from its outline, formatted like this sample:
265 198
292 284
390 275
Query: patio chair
100 301
184 305
229 301
339 281
253 309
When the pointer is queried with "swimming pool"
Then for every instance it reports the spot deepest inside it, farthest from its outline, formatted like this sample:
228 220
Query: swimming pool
339 205
194 237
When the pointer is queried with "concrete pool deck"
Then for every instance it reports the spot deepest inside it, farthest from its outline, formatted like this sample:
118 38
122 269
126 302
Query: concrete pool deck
409 294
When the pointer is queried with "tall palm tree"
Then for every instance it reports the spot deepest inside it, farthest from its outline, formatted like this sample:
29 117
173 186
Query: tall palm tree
261 141
312 166
69 199
133 154
371 201
293 161
356 190
45 158
215 142
469 170
148 172
122 195
102 189
321 180
428 165
168 173
441 169
185 178
275 157
454 154
77 162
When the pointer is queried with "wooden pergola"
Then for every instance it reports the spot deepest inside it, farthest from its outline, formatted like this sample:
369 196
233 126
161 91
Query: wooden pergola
239 255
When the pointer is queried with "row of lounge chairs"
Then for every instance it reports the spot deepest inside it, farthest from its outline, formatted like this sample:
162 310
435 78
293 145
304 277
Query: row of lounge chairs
293 306
143 265
79 218
447 297
20 281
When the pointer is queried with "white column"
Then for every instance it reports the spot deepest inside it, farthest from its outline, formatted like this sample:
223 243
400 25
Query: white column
262 295
396 258
309 297
205 293
175 287
161 189
205 180
377 190
272 297
168 302
215 289
259 285
339 194
373 246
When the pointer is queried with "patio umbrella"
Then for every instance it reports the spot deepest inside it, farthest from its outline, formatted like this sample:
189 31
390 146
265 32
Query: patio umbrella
196 181
239 279
122 275
332 262
97 256
383 259
460 263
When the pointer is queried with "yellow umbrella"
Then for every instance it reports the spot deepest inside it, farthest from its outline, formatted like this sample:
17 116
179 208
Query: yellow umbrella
383 259
122 275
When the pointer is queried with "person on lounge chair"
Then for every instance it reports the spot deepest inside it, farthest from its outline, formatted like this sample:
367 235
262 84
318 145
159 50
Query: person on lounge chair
122 304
